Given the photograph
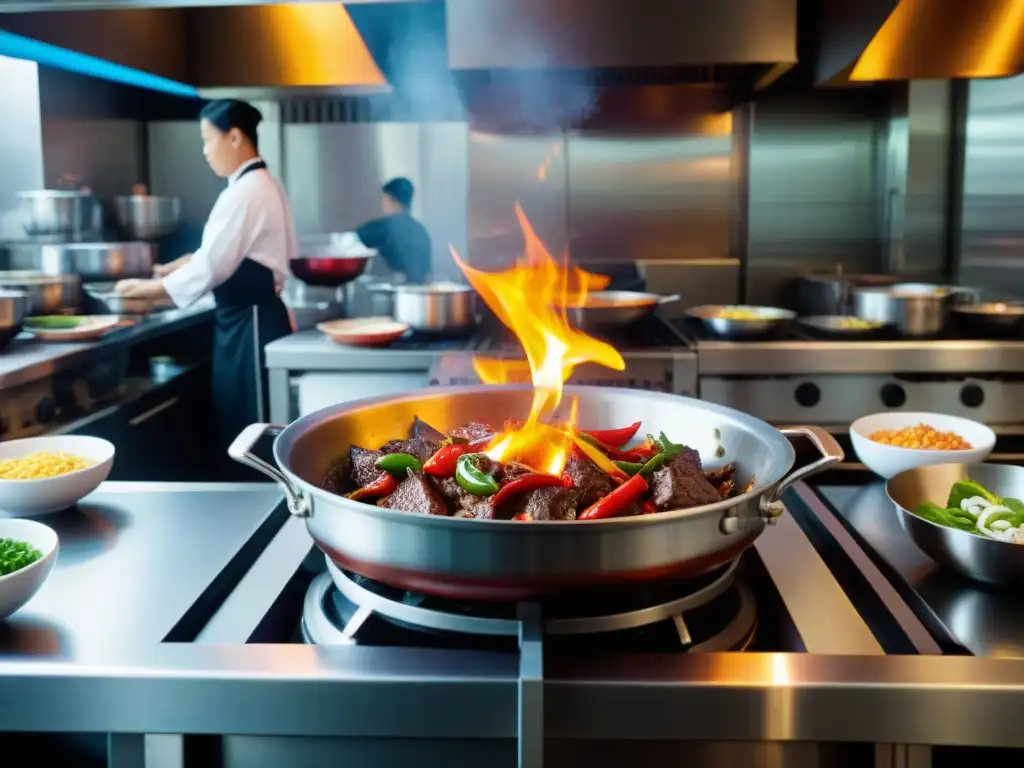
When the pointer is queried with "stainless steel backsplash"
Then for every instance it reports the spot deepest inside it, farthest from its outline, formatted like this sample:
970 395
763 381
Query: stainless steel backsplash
992 236
21 148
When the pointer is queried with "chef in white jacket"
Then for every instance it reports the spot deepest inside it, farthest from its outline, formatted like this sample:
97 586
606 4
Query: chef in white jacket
247 244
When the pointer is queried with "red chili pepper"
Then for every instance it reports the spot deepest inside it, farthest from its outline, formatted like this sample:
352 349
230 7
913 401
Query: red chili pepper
523 516
525 483
442 463
382 486
647 507
616 438
617 501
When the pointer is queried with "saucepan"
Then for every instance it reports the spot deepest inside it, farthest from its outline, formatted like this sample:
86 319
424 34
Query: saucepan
615 309
441 308
13 308
916 310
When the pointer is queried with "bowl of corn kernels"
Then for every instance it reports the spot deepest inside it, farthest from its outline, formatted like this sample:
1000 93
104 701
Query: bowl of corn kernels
46 474
893 442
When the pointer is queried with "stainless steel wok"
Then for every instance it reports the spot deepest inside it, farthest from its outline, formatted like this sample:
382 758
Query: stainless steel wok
976 557
508 560
616 309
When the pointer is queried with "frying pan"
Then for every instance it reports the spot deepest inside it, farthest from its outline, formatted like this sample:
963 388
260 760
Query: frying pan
998 319
615 309
762 321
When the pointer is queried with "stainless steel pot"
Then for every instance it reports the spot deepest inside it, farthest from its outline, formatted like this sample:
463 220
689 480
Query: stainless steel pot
977 557
13 306
147 217
47 294
506 560
914 309
616 309
51 212
442 308
996 319
816 295
90 261
103 301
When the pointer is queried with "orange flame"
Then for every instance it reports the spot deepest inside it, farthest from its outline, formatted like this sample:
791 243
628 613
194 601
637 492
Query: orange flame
530 299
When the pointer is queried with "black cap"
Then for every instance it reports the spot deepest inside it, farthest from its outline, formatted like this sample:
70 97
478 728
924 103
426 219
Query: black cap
226 114
401 189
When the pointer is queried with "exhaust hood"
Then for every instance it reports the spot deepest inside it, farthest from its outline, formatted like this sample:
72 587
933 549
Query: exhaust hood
223 50
879 40
575 35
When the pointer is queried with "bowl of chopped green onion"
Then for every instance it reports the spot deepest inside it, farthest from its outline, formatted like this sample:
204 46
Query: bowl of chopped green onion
28 551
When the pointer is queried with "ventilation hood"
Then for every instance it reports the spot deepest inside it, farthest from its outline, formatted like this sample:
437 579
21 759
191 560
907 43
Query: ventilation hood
575 35
879 40
223 50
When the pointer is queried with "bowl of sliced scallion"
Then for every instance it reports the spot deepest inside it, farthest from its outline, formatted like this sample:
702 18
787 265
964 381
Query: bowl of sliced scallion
28 551
969 518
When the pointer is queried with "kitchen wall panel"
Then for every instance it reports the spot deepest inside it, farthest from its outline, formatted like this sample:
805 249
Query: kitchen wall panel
816 186
333 173
652 194
21 146
992 237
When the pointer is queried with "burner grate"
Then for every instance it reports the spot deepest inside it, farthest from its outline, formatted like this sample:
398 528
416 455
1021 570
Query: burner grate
714 613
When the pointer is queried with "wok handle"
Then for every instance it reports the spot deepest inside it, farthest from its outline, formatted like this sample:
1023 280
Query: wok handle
241 451
831 453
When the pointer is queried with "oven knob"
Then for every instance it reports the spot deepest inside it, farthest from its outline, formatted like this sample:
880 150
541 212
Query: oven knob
46 410
893 396
808 394
972 395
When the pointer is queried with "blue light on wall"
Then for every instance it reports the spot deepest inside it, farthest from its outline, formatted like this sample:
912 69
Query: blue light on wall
18 47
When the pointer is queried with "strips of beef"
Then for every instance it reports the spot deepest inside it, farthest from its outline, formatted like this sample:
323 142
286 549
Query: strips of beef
478 487
417 494
681 484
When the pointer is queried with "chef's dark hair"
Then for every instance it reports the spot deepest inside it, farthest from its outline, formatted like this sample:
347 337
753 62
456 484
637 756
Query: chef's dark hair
226 114
400 190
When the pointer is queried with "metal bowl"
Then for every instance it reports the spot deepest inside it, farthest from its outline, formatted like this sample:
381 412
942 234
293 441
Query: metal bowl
763 321
992 318
13 308
47 294
103 301
51 212
147 217
976 557
508 560
327 270
90 261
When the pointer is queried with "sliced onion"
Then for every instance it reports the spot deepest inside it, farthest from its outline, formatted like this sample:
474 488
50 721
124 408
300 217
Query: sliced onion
1000 525
975 505
983 519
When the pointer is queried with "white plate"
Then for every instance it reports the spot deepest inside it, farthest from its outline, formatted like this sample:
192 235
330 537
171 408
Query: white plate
51 494
889 460
19 587
90 327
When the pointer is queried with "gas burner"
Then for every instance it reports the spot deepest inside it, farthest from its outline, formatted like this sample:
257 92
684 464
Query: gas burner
714 613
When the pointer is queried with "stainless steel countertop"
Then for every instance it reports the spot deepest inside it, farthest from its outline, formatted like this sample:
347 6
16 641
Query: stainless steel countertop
27 359
134 557
391 692
985 621
312 351
721 358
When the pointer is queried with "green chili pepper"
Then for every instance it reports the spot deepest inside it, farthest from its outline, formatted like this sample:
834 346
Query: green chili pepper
667 446
966 489
399 464
473 479
629 467
950 518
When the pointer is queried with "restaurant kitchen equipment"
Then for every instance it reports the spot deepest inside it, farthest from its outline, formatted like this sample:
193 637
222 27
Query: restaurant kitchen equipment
506 560
445 309
47 294
100 299
13 305
147 217
913 309
611 309
90 261
59 213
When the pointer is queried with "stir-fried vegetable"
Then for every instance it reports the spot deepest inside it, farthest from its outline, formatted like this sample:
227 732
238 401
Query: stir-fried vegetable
442 463
384 485
472 478
614 438
399 464
617 501
530 482
974 509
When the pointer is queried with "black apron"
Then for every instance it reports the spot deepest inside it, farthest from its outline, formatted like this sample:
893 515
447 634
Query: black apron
249 315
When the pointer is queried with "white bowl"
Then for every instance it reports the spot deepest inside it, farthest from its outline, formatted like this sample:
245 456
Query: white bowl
889 460
19 587
50 494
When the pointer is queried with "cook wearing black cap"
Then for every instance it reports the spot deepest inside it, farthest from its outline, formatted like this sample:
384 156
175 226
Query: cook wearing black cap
247 243
401 240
